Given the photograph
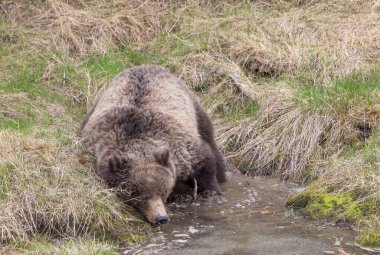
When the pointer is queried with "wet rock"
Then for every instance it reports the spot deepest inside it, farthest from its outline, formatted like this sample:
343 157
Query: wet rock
182 235
238 205
193 230
181 241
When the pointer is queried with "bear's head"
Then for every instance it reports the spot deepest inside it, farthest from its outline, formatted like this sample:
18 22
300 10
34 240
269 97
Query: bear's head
143 183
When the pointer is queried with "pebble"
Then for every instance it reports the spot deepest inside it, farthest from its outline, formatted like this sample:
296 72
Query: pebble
182 235
152 245
180 241
193 230
238 205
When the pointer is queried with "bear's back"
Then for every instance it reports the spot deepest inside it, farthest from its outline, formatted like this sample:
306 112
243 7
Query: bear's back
147 87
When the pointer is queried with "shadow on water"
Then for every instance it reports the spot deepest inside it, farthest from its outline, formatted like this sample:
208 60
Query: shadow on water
250 218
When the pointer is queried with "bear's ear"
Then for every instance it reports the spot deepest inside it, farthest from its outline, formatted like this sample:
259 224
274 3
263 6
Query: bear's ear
111 163
114 163
162 156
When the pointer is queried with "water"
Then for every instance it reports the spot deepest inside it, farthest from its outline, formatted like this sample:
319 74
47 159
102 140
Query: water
251 218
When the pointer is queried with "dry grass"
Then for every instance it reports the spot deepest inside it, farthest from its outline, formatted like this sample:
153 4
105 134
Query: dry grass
280 141
36 194
286 138
79 28
315 41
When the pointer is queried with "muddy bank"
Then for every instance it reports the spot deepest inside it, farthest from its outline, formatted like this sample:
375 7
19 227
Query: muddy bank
250 219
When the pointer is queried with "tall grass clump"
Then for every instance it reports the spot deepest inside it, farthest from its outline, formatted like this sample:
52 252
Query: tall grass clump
49 189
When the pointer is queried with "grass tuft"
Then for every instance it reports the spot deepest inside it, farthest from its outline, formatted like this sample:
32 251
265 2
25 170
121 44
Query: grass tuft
36 198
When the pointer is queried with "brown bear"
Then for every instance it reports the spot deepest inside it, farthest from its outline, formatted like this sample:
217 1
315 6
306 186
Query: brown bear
148 132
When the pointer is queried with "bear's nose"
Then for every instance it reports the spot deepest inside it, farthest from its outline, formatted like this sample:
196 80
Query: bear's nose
162 219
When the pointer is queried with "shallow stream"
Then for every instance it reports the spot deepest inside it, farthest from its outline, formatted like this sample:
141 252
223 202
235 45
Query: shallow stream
251 218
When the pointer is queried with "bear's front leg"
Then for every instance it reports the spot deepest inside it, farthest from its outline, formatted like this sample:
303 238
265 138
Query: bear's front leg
205 170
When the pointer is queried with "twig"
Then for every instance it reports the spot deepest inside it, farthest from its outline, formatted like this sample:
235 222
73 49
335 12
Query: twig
195 194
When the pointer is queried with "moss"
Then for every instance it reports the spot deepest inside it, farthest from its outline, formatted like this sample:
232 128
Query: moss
329 206
340 207
298 200
324 205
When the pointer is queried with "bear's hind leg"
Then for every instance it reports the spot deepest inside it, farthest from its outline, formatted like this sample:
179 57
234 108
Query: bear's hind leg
206 132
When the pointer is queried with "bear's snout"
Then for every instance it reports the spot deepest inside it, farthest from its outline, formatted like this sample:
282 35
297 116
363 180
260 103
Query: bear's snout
155 211
162 219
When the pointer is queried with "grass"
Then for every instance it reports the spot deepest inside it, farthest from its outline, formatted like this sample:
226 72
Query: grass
67 247
229 103
344 93
295 95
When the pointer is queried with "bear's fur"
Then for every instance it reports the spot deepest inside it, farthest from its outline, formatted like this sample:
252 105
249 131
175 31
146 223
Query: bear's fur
148 131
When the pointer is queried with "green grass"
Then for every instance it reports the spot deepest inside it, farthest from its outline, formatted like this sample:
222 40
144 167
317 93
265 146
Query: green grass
343 94
28 82
5 176
2 49
115 62
21 124
231 107
368 149
21 112
26 96
79 246
235 112
27 78
369 238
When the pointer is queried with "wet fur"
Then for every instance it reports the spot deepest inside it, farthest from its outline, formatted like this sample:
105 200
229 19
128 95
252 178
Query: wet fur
148 131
